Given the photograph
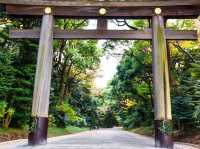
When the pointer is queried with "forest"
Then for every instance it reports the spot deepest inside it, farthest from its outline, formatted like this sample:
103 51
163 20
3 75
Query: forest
75 101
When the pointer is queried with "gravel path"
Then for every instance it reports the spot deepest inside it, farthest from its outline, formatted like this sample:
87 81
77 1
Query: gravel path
97 139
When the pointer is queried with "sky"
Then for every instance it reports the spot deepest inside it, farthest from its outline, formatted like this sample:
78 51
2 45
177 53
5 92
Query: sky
108 66
107 71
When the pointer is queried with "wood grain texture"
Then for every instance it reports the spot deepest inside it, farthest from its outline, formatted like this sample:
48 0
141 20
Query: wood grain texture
105 3
42 86
105 34
161 88
112 12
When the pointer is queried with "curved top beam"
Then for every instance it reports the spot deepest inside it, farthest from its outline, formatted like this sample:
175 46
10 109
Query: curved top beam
104 3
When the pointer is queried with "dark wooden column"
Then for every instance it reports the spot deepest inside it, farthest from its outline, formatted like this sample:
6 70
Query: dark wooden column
162 101
41 94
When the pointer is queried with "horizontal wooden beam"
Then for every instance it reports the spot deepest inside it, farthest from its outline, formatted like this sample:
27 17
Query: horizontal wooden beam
104 34
112 12
104 3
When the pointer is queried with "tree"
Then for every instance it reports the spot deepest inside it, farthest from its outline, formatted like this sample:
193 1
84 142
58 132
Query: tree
131 87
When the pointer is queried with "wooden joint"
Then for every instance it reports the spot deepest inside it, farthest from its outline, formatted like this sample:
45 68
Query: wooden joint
102 24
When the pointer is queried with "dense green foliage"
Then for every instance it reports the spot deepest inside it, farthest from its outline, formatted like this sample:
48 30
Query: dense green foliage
17 66
75 62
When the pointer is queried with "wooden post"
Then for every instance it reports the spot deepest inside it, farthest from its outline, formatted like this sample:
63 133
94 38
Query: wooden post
102 24
162 101
41 94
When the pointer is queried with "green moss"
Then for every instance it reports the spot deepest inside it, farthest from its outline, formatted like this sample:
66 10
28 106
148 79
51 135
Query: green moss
167 127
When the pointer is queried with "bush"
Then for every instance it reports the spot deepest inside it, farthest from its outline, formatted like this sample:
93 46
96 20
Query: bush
6 114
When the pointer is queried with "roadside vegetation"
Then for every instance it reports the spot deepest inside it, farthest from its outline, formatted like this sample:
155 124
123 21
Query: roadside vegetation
7 134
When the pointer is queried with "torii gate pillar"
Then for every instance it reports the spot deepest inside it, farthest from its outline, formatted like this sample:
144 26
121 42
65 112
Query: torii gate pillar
40 106
161 87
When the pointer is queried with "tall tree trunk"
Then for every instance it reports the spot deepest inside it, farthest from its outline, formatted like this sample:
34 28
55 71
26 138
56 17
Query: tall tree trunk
61 88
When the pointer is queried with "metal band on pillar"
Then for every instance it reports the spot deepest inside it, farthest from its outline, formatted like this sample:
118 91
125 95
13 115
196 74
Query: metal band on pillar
41 94
162 101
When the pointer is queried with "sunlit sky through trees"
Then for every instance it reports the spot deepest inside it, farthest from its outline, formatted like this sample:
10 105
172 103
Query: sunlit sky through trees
108 66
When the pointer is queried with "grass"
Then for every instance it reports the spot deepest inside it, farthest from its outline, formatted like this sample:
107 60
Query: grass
14 134
52 132
10 130
147 131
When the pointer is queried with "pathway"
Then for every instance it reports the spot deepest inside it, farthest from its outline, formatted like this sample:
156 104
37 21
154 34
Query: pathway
96 139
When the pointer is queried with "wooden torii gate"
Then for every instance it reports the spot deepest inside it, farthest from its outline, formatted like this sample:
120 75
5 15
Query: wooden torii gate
157 11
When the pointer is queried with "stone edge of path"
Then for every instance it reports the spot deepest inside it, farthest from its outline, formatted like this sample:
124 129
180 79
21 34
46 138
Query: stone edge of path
13 141
188 144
